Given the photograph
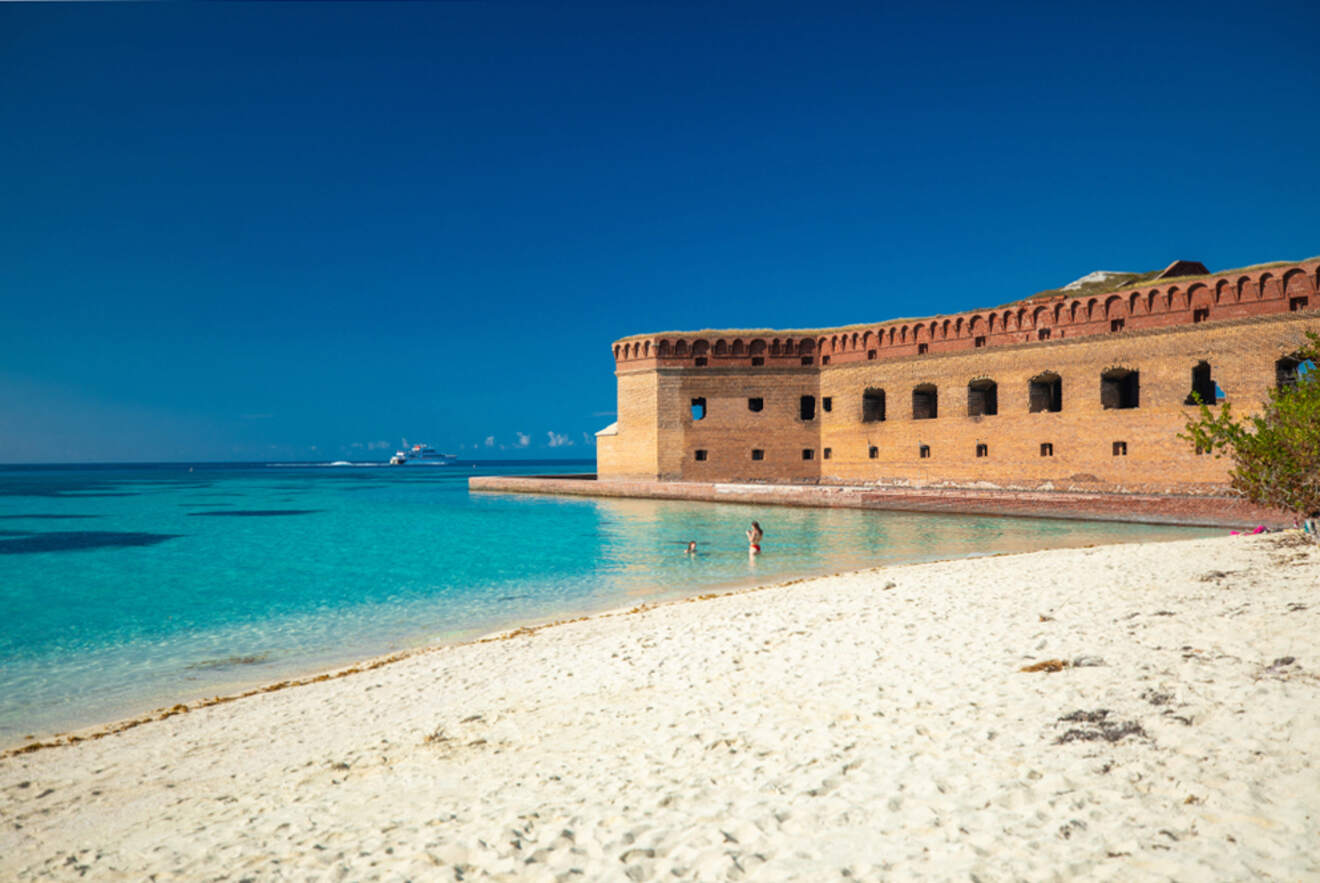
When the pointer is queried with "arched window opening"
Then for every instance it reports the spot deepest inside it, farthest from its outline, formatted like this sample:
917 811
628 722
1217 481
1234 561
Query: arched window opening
982 398
1120 389
925 402
1045 393
873 405
1204 388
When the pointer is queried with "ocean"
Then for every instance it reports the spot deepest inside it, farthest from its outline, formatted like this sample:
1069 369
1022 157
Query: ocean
127 587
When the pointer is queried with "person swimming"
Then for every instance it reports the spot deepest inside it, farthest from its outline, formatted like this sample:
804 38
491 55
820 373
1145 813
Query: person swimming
754 535
692 547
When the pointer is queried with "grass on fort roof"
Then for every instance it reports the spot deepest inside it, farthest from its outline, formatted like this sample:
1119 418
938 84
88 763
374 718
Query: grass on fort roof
1108 286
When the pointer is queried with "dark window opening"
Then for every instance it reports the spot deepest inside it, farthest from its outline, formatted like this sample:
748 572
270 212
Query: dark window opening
828 453
1115 324
873 405
1297 304
1043 334
699 455
982 398
1285 371
806 360
873 452
807 408
979 342
925 402
755 404
808 454
1046 449
698 409
1045 393
923 348
1203 386
699 361
758 360
1200 315
824 360
870 354
758 454
827 403
1120 388
924 452
983 450
1120 449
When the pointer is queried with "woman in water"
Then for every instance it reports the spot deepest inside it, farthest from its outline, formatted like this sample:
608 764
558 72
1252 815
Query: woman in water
754 534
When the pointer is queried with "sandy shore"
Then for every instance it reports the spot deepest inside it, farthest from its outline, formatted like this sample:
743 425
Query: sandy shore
876 724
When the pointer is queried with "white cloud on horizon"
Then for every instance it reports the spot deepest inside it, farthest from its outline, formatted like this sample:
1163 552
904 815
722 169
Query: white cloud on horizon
559 441
523 440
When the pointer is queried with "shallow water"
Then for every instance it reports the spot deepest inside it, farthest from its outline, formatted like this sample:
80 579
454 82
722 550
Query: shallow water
125 588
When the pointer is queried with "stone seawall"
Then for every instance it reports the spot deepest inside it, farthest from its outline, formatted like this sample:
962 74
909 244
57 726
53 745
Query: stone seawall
1203 511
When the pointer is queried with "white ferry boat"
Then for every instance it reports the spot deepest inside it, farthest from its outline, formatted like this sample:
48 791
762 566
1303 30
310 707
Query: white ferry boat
421 455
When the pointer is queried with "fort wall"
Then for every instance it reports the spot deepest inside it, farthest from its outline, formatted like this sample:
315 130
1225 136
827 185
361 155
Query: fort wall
1055 392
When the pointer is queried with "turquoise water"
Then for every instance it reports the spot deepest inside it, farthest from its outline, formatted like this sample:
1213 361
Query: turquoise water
126 588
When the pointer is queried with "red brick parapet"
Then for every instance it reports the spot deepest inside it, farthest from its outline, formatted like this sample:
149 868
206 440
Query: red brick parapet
1234 294
1188 510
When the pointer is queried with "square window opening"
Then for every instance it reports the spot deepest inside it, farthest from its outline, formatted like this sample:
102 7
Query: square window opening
807 408
1045 393
758 454
699 409
756 404
873 452
827 403
808 454
924 452
699 361
1046 449
1120 449
1120 389
758 360
827 453
923 348
699 455
983 450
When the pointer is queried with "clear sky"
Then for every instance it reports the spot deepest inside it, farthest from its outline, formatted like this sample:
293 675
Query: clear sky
305 231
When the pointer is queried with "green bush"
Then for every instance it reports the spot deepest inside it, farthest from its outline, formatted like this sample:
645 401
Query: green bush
1276 453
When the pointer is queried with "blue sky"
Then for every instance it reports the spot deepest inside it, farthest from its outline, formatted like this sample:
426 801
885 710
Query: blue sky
304 231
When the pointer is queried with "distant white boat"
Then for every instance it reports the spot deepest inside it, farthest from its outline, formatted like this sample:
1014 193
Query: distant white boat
421 455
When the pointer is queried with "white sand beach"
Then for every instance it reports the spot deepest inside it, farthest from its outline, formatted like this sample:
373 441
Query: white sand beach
875 725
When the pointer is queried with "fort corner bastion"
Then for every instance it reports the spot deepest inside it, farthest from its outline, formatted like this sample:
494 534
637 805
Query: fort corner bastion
1073 394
